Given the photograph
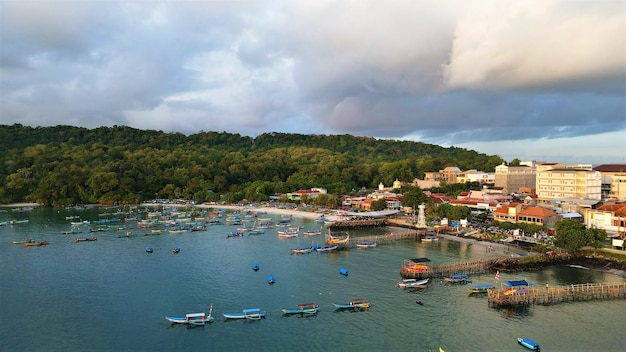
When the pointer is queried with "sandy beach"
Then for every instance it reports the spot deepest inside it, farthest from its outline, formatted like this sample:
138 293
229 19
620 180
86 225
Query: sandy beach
273 210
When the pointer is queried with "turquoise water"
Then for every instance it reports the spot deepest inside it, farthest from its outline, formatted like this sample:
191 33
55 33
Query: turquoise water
110 295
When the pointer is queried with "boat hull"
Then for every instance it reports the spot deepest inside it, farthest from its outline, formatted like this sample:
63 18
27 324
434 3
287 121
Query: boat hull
530 344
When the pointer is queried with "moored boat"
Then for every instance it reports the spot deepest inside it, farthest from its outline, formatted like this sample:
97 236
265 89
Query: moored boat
357 303
366 244
36 243
193 318
303 308
326 248
87 239
484 288
528 343
302 250
251 314
176 250
413 283
458 279
149 250
338 239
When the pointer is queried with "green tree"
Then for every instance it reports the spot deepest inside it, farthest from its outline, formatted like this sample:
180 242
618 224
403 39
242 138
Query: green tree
573 235
378 204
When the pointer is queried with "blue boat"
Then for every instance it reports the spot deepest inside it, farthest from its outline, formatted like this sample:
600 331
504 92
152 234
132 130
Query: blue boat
302 309
458 278
255 267
149 250
530 344
343 271
271 279
250 314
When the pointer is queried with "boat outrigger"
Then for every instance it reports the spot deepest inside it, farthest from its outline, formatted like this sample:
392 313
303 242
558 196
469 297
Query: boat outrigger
193 318
302 309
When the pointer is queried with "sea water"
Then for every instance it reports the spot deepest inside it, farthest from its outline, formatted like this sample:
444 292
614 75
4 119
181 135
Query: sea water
110 295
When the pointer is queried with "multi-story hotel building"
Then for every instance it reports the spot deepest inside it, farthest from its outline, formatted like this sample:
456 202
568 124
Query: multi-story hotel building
576 184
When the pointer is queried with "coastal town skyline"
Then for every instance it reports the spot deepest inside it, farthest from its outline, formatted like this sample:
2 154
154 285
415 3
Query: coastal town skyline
535 80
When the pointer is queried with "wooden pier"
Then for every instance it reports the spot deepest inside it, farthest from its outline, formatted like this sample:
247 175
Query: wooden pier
557 294
386 239
447 269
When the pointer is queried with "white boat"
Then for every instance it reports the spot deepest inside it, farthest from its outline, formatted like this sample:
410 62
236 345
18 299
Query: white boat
252 314
193 318
412 283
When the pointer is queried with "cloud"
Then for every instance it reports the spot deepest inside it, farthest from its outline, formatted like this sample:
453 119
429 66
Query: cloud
443 72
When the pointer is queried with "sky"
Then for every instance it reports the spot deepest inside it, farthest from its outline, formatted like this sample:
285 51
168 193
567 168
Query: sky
541 80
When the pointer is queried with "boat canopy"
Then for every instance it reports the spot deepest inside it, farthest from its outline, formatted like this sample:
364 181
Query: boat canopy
252 311
483 286
195 315
420 260
517 283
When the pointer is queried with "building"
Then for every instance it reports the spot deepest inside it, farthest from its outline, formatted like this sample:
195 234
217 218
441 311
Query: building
520 213
577 184
449 174
311 193
608 217
613 181
476 176
512 178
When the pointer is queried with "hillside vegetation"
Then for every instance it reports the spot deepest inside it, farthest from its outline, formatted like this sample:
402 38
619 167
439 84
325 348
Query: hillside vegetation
64 165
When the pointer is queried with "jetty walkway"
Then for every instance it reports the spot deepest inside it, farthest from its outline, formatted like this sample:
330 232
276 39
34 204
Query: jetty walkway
556 294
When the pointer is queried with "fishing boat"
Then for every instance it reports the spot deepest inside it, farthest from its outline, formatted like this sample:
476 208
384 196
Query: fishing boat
302 250
271 279
430 238
357 303
366 244
302 309
326 248
528 343
478 289
235 234
343 271
149 250
255 267
251 314
22 242
176 250
413 283
193 318
458 279
312 233
338 239
36 243
415 267
289 233
87 239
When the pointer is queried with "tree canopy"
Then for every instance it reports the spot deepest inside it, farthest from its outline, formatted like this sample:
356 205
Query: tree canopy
64 165
573 235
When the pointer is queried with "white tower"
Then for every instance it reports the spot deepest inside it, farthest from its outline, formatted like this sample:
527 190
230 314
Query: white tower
421 217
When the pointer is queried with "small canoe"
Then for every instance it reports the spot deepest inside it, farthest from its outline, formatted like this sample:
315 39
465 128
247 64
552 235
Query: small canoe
271 279
255 267
343 271
149 250
326 248
35 243
176 250
528 343
366 244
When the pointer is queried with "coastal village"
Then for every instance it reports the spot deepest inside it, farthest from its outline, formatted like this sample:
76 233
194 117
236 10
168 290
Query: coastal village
532 192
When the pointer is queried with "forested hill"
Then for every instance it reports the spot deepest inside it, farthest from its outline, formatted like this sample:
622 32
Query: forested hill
64 165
